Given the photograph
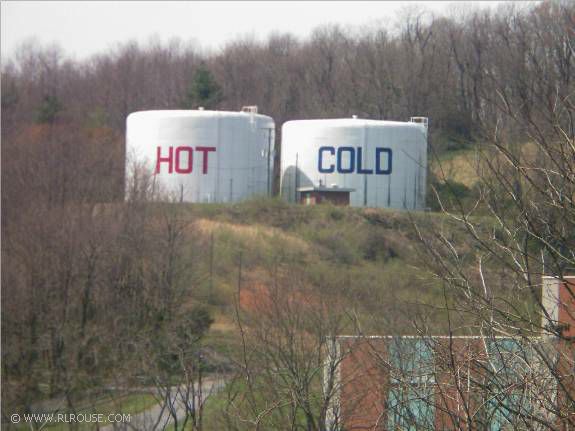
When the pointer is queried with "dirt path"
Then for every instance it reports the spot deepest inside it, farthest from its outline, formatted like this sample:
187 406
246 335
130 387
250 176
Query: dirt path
159 417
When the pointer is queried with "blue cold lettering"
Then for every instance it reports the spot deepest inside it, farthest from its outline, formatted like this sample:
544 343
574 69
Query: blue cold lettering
320 167
378 169
351 167
383 161
360 169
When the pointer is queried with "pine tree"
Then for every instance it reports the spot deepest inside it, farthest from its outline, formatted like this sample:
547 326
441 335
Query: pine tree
48 110
204 90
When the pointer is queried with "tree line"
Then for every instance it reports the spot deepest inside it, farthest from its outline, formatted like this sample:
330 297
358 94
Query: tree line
447 69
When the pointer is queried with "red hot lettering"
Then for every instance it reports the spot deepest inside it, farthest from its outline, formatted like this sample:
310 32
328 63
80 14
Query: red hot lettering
175 159
205 151
168 160
190 163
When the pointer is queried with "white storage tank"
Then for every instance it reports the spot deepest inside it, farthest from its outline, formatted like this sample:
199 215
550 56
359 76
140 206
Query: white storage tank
383 162
200 156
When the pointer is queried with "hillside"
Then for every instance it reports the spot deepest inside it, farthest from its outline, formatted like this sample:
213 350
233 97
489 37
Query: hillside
370 259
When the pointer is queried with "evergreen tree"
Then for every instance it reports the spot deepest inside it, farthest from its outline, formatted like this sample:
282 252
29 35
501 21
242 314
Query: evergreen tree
48 110
204 90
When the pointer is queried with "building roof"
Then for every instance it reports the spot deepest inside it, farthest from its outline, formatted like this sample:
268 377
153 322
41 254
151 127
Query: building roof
324 189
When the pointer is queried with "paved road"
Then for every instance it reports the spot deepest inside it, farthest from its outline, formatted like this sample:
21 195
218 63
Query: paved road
158 418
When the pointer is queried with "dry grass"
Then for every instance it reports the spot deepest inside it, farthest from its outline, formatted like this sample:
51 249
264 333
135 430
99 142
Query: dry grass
206 227
461 168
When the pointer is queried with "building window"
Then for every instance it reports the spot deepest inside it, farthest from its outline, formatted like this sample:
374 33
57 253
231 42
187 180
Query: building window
506 386
410 401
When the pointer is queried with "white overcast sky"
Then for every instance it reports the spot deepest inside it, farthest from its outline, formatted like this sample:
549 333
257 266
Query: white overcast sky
83 28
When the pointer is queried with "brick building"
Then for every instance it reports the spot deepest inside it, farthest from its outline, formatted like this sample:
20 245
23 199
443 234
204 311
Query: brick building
460 382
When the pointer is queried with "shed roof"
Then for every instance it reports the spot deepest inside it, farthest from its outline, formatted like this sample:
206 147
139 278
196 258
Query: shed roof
324 189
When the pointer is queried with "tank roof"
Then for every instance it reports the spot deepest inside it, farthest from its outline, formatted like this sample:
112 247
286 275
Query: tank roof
192 113
350 122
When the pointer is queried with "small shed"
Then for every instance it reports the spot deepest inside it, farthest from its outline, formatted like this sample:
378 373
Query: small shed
322 194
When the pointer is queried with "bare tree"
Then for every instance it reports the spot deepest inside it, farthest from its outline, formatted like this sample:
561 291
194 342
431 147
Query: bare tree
522 225
287 329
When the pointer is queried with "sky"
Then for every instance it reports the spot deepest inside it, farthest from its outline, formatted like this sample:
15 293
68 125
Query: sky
84 28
